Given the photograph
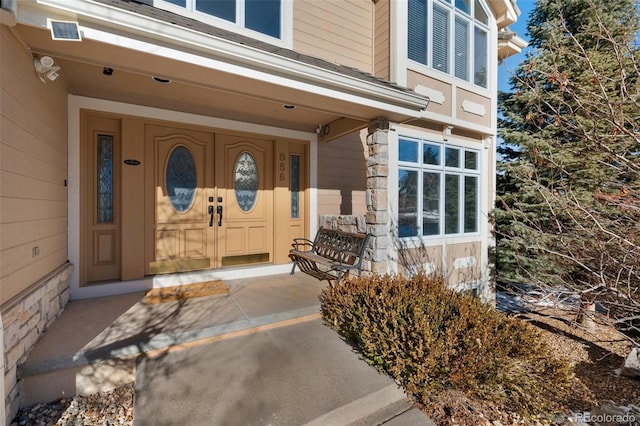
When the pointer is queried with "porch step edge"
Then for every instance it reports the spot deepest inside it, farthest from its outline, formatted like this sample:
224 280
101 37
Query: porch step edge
100 376
365 407
160 341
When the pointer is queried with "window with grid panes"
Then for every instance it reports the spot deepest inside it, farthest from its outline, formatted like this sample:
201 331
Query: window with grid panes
438 189
450 36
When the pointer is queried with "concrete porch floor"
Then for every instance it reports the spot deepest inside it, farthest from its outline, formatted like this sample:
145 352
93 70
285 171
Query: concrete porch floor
99 344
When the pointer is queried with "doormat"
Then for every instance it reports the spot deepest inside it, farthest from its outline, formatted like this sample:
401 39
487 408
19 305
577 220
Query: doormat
182 292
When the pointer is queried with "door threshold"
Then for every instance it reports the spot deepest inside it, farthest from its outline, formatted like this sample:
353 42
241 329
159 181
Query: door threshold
112 288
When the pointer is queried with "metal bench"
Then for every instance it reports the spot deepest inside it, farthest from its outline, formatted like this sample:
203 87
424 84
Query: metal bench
331 255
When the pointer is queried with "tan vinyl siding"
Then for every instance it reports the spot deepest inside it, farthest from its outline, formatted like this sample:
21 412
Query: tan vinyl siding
382 42
338 32
479 101
463 263
426 259
342 176
442 103
33 169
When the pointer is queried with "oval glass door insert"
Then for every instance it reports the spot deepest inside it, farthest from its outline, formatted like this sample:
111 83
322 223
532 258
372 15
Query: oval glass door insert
181 179
245 181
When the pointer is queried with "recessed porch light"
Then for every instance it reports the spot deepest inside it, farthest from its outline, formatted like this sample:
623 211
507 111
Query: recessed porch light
161 80
288 106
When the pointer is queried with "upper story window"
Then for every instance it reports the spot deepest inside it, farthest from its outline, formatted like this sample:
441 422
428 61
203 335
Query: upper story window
450 36
262 16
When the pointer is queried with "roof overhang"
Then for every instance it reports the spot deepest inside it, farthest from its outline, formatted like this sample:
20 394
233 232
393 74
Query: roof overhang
505 11
509 44
112 25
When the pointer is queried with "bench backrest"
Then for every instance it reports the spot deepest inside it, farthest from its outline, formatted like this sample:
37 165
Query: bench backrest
329 243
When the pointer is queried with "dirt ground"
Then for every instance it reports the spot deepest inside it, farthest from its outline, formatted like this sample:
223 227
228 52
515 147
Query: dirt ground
600 394
597 355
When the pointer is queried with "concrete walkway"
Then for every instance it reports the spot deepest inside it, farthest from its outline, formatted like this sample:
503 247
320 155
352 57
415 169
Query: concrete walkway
259 355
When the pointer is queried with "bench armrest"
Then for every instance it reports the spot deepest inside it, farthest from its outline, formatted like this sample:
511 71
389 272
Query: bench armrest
300 244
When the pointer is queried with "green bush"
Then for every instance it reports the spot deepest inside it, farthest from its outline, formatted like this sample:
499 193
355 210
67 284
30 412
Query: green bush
432 339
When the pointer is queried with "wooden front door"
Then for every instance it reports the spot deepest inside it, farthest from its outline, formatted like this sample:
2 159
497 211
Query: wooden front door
183 184
245 192
213 199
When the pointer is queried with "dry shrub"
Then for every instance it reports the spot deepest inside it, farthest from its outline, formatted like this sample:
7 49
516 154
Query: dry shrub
434 340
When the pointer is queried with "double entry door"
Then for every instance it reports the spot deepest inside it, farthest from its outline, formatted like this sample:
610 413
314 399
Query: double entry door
209 199
159 197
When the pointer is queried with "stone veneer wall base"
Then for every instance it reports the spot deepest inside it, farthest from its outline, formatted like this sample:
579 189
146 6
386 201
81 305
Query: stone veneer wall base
24 319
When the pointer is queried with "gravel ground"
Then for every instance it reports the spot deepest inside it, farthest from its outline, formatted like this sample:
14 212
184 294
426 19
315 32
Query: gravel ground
99 409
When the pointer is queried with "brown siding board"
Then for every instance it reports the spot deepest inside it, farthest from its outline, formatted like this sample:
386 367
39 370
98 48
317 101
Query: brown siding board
338 32
463 95
22 109
337 22
342 176
34 123
22 139
382 39
21 163
13 283
21 256
330 35
19 210
16 186
345 9
14 234
33 167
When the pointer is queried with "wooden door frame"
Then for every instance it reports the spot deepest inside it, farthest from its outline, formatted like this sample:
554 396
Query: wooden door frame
133 278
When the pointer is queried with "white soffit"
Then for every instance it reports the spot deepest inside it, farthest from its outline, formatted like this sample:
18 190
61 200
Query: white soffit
237 58
511 46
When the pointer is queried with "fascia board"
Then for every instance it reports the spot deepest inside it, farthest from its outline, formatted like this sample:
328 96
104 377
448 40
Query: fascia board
505 11
513 46
249 57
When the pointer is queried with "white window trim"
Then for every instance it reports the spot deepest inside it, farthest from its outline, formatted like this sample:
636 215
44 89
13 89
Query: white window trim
443 171
286 21
450 77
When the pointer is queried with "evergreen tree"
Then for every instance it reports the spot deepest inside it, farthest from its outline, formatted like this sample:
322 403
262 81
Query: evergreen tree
568 208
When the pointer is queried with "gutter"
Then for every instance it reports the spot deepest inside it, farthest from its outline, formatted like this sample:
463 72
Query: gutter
236 53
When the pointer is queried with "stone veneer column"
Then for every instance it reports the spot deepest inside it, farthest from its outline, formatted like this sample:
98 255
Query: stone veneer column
377 199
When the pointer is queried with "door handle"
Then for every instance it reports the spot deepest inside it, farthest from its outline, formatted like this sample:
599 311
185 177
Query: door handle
219 210
210 211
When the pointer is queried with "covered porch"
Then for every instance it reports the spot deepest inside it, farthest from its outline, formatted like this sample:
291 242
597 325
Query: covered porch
197 77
